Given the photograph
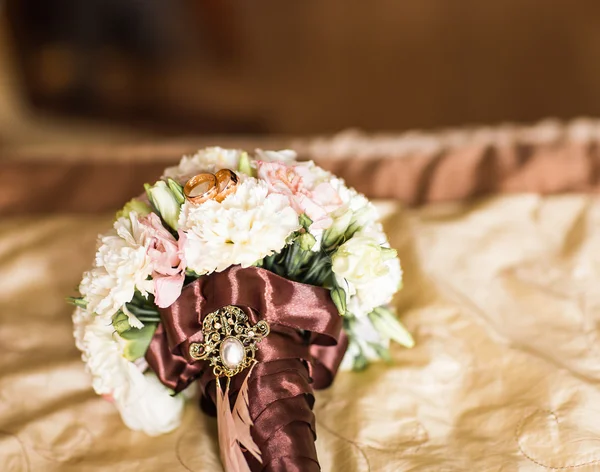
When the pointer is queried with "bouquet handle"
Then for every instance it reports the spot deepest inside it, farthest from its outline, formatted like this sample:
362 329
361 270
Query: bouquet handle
301 351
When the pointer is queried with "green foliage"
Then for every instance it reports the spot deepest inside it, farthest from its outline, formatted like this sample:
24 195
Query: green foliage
77 301
137 341
245 166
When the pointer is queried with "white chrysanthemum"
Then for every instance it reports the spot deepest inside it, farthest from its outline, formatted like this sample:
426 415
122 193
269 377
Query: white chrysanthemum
247 226
206 160
143 402
81 318
122 266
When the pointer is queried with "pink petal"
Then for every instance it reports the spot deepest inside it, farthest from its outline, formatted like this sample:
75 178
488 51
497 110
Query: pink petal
181 248
326 195
167 289
320 217
322 223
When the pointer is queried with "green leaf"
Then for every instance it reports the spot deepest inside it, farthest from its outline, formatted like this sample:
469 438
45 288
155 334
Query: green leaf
147 311
338 295
319 269
137 341
120 322
305 221
360 362
334 235
191 273
382 351
133 205
389 327
177 190
77 301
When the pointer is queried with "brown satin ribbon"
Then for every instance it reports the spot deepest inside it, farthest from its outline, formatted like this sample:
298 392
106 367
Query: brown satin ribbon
290 363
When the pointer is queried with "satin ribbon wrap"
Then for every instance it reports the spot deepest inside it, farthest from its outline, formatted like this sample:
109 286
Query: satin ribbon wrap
303 350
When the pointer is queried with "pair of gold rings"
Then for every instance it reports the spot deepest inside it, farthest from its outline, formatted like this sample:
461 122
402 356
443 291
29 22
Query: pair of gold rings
208 186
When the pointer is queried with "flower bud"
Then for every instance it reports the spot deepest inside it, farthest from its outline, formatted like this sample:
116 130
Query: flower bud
305 221
165 201
335 233
245 165
177 190
338 295
359 219
389 327
79 302
135 205
306 241
120 322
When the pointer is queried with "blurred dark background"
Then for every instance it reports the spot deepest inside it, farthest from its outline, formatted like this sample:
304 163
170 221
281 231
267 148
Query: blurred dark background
175 67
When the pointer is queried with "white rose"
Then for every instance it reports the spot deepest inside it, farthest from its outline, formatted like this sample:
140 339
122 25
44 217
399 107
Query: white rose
361 259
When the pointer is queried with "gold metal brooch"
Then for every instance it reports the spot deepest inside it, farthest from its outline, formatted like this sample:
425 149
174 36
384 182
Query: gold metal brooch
229 341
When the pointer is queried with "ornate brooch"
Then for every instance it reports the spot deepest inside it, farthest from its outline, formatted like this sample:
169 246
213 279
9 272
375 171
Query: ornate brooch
229 341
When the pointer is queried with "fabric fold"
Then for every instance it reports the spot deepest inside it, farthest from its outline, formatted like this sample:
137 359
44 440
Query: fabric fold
303 350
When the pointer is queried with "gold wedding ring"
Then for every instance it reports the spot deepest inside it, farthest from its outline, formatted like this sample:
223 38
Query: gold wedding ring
215 186
206 180
226 182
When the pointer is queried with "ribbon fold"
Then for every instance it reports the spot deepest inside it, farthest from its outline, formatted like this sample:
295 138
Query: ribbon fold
304 350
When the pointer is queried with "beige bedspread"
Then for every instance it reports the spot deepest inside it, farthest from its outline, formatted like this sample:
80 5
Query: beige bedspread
502 295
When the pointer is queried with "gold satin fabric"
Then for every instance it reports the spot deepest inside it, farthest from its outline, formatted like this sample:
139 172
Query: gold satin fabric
502 296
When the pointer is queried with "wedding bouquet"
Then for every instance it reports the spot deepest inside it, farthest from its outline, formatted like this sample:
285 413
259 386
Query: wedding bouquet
254 277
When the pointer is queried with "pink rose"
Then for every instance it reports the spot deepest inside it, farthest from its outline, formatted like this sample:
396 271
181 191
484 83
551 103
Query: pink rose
166 254
297 183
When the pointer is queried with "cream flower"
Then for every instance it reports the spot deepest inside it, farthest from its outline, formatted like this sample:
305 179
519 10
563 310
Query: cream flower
365 336
307 188
81 318
147 405
207 160
356 213
367 270
144 403
361 259
247 226
122 266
